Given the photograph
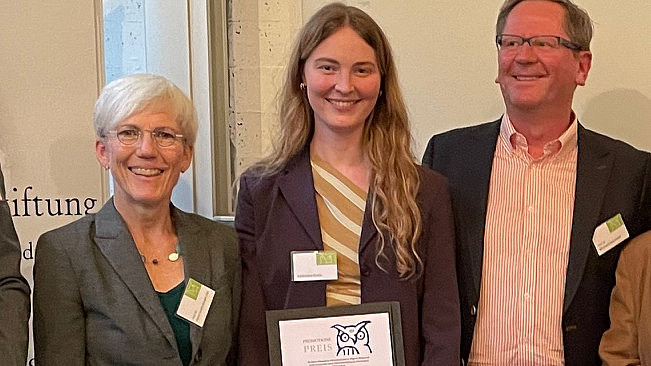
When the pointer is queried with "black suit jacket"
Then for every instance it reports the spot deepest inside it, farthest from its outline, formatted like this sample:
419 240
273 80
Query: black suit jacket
14 291
612 177
278 214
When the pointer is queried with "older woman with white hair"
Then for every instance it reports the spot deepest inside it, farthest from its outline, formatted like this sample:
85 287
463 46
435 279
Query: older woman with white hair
133 284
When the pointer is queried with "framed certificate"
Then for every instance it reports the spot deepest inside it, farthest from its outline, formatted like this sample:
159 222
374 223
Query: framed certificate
366 334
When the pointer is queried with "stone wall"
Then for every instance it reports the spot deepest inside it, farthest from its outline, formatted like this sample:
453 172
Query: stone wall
260 35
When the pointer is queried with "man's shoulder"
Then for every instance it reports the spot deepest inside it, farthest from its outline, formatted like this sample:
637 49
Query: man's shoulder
611 144
478 130
460 143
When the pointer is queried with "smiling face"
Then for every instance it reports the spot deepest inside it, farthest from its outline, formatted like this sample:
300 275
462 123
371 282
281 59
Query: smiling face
144 173
531 78
343 82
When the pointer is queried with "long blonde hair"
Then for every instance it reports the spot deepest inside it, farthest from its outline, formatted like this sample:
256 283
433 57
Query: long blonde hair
387 138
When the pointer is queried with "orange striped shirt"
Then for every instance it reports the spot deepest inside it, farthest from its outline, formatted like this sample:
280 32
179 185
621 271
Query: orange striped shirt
526 249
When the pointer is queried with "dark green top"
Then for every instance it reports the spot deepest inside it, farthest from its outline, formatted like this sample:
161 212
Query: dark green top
170 301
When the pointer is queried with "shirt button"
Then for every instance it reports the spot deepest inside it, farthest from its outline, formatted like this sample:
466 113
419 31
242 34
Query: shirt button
526 295
530 208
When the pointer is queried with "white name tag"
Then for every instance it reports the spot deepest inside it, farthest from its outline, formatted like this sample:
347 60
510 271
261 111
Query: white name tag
195 302
609 234
314 265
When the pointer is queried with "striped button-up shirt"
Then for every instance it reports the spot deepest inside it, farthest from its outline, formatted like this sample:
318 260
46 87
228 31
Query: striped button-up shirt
526 248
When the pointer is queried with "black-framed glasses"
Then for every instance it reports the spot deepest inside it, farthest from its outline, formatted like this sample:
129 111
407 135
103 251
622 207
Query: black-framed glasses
164 137
509 42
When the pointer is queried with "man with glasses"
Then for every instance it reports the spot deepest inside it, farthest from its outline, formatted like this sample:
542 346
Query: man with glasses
542 205
14 291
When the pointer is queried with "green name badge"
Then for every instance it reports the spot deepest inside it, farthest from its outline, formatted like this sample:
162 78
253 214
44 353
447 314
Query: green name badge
326 258
192 289
314 265
615 222
195 303
610 233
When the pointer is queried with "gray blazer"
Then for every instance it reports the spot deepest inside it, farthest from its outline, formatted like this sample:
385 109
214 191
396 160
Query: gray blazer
95 305
14 291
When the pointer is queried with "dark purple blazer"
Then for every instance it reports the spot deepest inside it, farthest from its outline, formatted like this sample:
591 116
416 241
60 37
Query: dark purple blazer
277 214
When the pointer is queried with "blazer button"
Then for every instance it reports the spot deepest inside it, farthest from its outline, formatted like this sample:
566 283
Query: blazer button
473 310
364 271
198 356
571 328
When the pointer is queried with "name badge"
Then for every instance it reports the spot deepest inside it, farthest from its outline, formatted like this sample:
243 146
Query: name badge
195 302
609 234
314 265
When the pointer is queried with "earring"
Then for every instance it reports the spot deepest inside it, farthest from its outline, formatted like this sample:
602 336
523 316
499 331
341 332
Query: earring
380 93
302 86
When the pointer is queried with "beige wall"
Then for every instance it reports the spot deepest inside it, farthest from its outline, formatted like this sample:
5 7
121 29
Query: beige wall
48 84
447 63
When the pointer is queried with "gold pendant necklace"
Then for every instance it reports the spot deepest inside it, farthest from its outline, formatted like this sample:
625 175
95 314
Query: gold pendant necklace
172 257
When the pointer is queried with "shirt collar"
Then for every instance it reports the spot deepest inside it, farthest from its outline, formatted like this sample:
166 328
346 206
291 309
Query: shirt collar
514 140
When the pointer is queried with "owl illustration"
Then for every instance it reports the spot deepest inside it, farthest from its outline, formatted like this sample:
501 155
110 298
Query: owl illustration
349 335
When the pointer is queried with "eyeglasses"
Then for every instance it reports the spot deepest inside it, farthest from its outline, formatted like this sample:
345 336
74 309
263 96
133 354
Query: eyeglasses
164 137
510 42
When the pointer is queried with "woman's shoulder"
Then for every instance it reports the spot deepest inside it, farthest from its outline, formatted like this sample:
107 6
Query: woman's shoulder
431 180
261 175
73 237
204 224
79 227
207 232
258 182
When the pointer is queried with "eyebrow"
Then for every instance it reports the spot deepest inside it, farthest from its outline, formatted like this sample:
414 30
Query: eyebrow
132 126
331 60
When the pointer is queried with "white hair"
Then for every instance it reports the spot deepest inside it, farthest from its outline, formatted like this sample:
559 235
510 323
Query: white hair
131 94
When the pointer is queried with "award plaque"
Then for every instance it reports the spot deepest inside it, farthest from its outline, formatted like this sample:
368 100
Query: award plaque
366 334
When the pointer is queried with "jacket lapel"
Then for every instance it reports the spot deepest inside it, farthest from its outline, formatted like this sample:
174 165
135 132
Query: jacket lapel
2 185
369 231
116 244
197 264
297 187
476 186
594 165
